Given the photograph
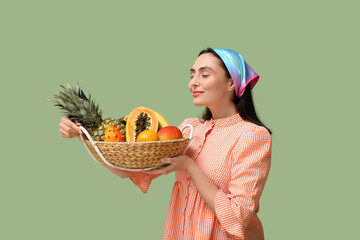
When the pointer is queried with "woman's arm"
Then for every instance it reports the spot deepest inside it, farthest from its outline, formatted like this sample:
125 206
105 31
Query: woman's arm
236 205
203 184
120 173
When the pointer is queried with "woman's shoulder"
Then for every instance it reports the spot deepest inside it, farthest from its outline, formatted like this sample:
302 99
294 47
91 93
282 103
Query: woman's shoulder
252 130
253 136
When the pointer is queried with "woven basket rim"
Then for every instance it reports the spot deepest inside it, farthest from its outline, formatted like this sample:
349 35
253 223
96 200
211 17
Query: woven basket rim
140 143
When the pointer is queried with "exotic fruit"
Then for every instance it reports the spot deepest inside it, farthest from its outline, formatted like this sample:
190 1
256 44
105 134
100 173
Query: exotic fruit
169 133
112 134
99 133
139 120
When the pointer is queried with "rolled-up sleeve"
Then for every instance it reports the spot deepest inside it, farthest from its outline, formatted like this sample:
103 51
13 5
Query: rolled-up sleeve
236 205
142 179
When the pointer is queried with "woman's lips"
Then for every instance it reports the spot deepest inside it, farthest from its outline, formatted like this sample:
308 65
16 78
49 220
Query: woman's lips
196 93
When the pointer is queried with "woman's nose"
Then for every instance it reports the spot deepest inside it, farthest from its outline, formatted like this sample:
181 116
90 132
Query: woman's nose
193 81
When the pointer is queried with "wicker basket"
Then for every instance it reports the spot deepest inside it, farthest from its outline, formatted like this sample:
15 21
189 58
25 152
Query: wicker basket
134 156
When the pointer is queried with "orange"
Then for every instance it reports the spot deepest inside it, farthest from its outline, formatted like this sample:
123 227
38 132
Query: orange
147 135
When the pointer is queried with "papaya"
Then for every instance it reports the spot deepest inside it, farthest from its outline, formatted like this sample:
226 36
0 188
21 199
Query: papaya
162 122
140 119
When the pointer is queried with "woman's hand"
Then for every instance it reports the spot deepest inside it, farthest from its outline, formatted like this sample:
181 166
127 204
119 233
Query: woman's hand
69 129
180 162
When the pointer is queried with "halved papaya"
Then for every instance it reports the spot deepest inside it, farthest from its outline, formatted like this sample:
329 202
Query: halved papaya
140 119
162 122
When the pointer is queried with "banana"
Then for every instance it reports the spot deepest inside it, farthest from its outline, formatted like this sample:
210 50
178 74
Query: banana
162 121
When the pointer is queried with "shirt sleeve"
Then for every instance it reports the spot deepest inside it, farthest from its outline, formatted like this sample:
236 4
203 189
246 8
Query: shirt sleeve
236 205
143 179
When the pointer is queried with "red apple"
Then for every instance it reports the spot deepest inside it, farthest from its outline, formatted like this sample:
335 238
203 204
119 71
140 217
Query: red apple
169 133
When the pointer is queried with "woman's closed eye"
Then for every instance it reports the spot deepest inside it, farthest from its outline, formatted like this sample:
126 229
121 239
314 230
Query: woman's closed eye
203 75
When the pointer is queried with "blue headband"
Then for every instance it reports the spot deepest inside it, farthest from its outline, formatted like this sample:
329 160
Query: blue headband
241 73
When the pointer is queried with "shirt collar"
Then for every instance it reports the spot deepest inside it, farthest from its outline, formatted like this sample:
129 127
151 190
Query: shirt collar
227 121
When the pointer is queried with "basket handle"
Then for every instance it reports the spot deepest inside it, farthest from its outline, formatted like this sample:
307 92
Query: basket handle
95 147
191 133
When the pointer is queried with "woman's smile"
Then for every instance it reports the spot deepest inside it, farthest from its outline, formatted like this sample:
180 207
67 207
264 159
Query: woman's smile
196 93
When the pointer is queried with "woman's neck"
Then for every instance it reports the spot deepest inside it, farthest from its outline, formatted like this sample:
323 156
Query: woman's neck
223 112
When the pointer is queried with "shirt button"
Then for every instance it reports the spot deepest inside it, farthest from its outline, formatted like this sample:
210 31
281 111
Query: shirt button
200 146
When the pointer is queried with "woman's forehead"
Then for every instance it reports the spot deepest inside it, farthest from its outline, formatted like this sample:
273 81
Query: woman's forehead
205 61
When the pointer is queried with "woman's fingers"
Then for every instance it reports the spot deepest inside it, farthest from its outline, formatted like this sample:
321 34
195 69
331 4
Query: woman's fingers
75 126
69 126
66 134
69 129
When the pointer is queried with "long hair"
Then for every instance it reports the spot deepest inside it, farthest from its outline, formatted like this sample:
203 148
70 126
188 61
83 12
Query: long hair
244 104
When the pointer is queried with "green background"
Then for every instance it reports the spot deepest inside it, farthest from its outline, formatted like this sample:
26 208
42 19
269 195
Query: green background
129 54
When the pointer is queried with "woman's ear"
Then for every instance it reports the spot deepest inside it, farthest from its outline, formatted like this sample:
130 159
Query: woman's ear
231 87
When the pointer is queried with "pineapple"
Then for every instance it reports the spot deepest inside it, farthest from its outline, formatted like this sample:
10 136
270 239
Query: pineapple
99 133
79 108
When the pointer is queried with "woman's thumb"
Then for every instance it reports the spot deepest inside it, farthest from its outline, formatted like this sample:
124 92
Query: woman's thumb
79 124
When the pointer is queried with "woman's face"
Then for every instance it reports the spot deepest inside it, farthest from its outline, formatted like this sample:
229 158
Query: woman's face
209 84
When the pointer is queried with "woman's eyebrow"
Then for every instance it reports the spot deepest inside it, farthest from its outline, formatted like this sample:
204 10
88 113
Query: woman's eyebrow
202 68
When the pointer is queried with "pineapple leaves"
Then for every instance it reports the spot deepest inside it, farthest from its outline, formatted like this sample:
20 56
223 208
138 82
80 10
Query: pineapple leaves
74 103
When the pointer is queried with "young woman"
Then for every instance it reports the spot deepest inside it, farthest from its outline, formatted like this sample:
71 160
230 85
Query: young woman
221 176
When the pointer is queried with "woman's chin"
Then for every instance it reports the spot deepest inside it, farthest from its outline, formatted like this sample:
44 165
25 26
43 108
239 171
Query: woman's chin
198 103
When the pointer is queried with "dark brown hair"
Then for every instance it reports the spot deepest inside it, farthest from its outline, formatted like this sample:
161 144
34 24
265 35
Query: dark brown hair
244 104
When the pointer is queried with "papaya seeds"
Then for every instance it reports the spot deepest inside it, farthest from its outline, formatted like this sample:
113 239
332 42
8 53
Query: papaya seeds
142 123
